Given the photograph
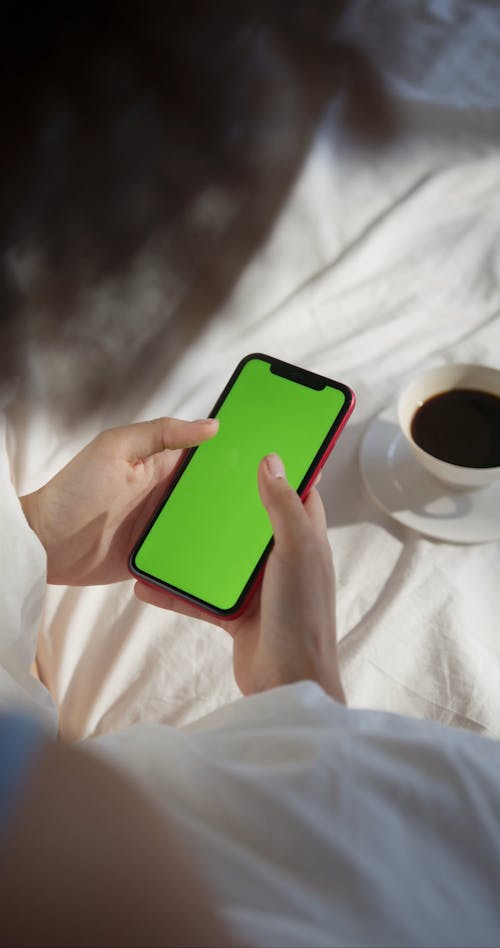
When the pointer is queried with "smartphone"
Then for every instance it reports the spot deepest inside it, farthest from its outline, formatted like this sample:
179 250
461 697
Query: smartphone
209 539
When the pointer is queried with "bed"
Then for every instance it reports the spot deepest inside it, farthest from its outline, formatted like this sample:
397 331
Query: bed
381 262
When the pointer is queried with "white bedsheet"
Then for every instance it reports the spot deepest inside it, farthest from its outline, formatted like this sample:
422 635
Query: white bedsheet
380 264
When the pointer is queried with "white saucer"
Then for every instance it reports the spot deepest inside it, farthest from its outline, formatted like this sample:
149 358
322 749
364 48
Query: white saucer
397 484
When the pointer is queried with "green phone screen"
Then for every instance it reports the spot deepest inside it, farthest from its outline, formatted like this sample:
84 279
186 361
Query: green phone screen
213 529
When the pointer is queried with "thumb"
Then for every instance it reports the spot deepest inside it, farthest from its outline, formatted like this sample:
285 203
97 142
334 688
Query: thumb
145 438
284 506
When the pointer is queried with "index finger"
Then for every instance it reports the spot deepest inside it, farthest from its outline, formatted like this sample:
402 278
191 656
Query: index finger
314 508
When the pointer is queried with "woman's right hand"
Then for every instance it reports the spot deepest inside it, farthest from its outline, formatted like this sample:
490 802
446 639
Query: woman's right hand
288 631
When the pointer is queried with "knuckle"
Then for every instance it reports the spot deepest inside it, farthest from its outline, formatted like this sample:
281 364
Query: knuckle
167 430
107 437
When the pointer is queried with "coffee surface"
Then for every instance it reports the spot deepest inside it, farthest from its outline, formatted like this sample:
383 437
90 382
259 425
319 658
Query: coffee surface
461 426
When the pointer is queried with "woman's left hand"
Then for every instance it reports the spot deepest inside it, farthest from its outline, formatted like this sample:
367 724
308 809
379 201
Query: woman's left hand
90 514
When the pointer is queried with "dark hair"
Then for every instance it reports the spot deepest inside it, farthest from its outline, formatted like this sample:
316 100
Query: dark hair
154 138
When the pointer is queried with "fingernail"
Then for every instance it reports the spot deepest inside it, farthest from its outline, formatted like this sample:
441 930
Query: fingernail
209 421
275 465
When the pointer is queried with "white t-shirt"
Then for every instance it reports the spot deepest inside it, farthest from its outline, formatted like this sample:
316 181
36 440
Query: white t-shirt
313 824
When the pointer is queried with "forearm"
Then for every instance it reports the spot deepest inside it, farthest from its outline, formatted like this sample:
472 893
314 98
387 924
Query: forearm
326 674
29 504
23 570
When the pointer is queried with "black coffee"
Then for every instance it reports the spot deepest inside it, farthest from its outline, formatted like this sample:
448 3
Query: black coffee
461 426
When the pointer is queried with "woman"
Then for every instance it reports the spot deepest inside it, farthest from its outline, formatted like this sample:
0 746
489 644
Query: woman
284 818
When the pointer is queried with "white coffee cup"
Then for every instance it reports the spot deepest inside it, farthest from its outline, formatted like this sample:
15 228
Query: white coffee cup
434 382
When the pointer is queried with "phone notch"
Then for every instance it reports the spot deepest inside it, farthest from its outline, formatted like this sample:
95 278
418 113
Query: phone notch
295 374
